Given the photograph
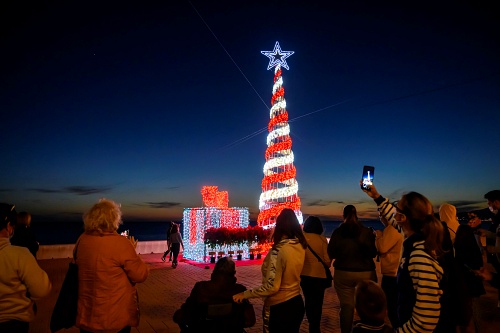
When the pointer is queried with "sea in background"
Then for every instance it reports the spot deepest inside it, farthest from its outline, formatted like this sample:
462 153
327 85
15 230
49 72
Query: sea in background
50 233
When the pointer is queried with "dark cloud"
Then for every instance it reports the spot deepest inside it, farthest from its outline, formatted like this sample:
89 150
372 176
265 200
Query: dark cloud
163 204
468 206
85 190
325 217
322 203
172 188
80 190
6 190
44 190
59 217
395 195
464 203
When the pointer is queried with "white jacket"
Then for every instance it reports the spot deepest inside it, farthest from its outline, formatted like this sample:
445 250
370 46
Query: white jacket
21 282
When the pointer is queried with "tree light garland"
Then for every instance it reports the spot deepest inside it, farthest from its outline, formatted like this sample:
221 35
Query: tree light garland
279 186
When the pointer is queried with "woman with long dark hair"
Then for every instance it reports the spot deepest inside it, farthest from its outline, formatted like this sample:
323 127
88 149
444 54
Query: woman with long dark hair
420 273
283 309
352 245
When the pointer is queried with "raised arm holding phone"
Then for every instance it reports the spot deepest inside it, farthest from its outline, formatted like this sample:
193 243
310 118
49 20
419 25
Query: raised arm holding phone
419 273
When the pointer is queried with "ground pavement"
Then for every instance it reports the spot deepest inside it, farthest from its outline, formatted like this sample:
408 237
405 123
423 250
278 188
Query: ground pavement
167 288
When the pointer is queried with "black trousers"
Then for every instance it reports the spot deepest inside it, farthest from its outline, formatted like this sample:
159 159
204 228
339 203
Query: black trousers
14 326
286 317
176 248
314 294
126 329
390 287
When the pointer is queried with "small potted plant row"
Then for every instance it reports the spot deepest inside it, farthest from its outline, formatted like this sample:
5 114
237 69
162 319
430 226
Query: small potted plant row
236 237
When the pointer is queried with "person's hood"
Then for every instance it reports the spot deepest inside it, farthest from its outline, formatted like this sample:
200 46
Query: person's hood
291 241
448 214
4 242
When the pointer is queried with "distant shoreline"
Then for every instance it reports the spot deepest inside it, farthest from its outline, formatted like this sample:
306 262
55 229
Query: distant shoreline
57 233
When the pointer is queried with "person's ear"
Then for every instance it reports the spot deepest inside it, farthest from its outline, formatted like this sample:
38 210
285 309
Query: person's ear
10 229
496 204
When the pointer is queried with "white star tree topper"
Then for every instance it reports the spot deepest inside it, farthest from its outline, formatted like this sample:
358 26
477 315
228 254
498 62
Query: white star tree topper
277 56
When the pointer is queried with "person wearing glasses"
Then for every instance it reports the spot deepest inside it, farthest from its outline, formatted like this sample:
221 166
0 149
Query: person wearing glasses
419 274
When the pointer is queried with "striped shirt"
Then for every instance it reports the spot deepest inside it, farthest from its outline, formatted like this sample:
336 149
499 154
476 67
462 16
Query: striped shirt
419 276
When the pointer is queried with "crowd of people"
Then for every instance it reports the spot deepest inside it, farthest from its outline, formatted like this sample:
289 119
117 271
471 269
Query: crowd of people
108 270
432 268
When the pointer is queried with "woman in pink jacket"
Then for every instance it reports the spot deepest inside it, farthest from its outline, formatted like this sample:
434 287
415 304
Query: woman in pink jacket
108 269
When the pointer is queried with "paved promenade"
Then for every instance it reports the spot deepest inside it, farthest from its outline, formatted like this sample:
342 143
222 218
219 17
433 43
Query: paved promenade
167 288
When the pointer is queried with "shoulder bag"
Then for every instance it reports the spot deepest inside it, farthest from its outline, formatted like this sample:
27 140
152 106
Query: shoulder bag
328 280
64 314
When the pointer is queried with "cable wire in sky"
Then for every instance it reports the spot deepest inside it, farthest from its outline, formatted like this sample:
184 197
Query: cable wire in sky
230 57
249 136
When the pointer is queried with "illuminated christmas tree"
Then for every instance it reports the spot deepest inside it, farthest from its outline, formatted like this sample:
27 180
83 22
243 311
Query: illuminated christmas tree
279 186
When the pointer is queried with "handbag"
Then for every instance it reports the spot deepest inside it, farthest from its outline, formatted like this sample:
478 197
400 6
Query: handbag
248 313
64 314
329 278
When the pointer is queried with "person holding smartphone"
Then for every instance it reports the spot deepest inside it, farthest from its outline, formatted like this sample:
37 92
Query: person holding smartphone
419 273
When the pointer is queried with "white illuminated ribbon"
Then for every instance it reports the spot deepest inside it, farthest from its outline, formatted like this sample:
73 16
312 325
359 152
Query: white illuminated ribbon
279 161
277 84
278 193
278 106
282 131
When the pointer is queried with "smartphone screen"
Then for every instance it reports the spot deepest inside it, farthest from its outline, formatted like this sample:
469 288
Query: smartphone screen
367 177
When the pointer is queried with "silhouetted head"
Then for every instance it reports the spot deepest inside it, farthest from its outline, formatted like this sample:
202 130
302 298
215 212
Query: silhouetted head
287 226
313 225
226 266
371 303
225 270
104 216
350 214
493 198
7 215
24 218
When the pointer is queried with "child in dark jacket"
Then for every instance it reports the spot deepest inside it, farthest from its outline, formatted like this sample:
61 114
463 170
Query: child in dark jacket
371 306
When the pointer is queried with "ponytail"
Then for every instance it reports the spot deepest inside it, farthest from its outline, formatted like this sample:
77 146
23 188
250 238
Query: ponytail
418 210
433 232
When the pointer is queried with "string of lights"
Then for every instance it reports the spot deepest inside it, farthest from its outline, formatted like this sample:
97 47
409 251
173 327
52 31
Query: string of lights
279 186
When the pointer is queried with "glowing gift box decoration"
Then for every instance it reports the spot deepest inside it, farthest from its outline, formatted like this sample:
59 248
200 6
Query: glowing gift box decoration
214 214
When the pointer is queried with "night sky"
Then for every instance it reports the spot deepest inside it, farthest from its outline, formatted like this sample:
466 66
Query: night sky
146 103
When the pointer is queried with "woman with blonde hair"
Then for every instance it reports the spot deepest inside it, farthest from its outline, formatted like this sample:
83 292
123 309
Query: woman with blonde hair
108 270
420 272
